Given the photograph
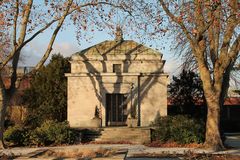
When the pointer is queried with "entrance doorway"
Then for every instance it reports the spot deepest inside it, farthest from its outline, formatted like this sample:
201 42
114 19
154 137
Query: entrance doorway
116 109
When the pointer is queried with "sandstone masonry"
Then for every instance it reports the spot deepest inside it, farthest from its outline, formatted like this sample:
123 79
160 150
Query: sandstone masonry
116 83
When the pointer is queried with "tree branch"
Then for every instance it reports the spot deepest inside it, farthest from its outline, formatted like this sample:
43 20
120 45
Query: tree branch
235 48
15 24
214 32
25 22
8 58
180 23
232 22
37 33
98 3
49 48
200 22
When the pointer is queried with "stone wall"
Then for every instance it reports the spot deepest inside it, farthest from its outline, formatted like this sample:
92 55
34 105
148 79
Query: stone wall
92 77
86 92
128 66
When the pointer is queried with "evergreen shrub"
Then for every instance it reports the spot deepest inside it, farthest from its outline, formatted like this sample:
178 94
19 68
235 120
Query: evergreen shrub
181 129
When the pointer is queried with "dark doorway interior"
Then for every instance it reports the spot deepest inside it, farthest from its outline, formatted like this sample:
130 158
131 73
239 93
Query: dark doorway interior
116 110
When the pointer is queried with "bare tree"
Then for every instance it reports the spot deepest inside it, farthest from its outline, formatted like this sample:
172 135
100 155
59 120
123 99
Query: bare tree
23 21
211 28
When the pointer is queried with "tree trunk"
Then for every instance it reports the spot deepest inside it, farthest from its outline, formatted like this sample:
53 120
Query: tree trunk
2 113
213 139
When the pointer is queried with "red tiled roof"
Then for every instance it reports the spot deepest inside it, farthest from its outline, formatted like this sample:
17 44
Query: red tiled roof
25 83
231 101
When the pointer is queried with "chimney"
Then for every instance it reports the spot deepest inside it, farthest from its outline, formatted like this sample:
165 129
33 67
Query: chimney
118 34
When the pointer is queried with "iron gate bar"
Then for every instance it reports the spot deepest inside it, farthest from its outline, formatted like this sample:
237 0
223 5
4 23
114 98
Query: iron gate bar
115 109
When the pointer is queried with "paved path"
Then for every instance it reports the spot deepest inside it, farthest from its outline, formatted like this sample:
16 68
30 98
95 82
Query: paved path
131 150
233 139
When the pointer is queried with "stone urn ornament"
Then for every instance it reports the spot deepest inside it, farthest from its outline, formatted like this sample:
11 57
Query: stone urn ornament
96 120
132 122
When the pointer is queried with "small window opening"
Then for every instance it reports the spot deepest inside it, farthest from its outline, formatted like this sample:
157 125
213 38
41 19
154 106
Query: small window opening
117 68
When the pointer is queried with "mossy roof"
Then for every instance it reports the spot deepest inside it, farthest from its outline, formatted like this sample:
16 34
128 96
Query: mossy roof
118 47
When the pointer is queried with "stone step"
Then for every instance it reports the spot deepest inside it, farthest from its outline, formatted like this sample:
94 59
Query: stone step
118 134
135 141
127 132
126 128
111 134
122 138
126 136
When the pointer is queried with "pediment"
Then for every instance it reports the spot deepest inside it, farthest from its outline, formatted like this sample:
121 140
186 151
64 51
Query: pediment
117 50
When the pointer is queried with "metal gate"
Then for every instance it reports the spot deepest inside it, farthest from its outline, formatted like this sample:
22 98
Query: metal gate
116 109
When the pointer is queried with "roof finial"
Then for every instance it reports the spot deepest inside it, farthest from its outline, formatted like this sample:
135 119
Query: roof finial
118 34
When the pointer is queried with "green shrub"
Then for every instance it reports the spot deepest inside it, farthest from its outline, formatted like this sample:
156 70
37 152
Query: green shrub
53 133
49 133
180 129
17 135
46 99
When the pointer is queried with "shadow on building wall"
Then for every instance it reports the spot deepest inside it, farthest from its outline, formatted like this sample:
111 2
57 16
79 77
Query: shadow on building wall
137 89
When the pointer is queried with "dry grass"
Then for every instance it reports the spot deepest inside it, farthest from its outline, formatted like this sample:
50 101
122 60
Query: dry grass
110 142
83 153
6 157
173 145
190 155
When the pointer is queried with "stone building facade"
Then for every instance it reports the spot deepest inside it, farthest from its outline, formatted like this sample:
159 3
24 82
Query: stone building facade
116 83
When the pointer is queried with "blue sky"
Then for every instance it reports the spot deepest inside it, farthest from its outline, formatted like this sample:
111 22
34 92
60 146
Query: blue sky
67 44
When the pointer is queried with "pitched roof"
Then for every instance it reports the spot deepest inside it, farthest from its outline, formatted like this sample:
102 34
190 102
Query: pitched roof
229 101
232 101
118 47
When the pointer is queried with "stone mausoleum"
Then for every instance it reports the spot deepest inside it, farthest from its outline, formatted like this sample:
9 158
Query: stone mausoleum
116 83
